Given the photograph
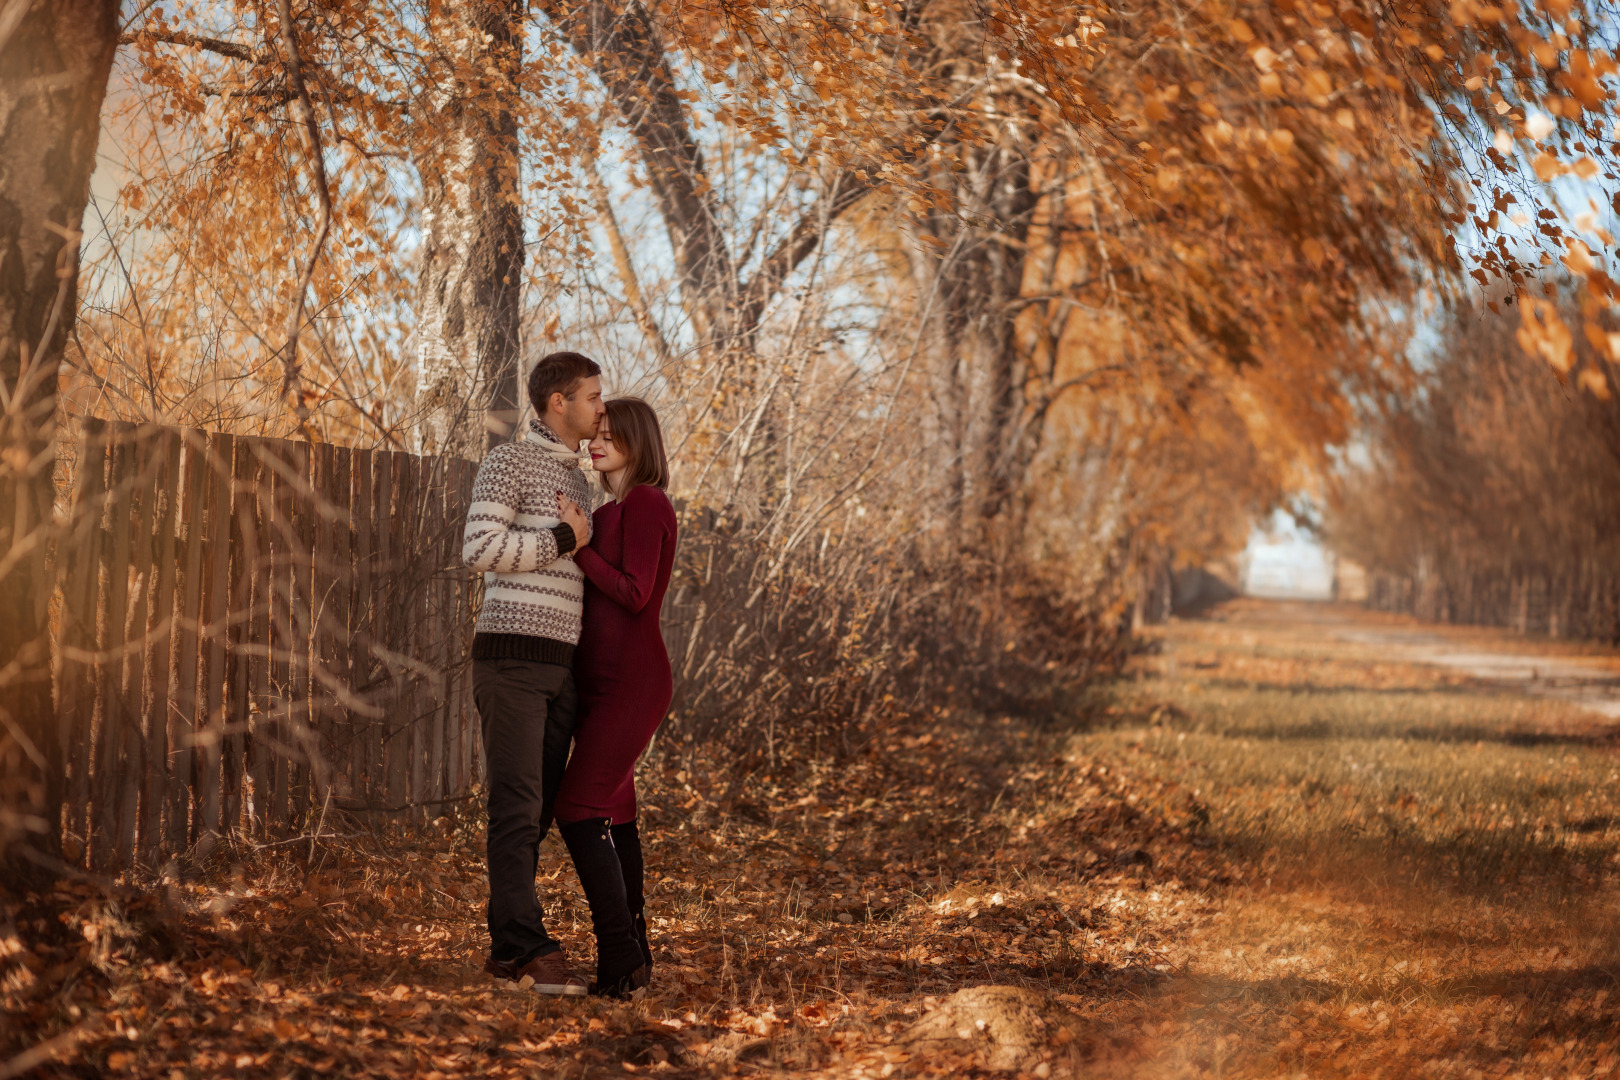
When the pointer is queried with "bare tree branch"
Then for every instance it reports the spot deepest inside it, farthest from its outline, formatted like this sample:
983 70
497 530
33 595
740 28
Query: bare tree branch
800 242
231 49
621 262
304 111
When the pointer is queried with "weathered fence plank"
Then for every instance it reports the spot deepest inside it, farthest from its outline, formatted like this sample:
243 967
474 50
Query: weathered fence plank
220 780
188 618
438 652
80 567
105 794
362 512
160 645
402 715
254 633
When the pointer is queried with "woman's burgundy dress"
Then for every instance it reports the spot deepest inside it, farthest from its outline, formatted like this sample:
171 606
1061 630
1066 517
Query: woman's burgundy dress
621 669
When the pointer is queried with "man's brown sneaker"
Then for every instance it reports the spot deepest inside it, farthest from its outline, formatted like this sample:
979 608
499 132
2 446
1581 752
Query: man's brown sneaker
546 974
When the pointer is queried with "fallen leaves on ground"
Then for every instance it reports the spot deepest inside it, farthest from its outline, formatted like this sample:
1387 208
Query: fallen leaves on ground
962 895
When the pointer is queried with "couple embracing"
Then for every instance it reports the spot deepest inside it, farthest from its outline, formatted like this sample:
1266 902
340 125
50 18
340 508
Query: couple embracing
567 651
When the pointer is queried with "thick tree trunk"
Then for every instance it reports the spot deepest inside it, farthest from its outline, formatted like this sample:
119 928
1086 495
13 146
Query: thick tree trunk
55 59
469 349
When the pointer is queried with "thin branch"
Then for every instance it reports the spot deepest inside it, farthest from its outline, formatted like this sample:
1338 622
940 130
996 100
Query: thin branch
304 111
621 261
804 238
231 49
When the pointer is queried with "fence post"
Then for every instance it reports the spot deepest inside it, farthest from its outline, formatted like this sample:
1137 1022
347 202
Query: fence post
80 570
251 597
110 731
222 462
160 643
183 779
362 768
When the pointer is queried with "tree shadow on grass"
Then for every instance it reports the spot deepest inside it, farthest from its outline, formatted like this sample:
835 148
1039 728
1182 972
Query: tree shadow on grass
1324 731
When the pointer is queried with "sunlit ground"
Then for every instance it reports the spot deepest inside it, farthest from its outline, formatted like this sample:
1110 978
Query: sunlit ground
1267 850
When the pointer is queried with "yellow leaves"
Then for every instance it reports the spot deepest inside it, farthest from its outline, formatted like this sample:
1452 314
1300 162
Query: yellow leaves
1240 31
1548 167
1318 86
1542 333
1600 339
1467 13
1313 251
1345 118
1592 381
1579 258
1585 168
1280 141
1264 58
1219 134
1538 125
1271 84
1580 80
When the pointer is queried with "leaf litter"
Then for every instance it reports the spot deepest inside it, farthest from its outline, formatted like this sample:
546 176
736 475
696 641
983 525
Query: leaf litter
963 895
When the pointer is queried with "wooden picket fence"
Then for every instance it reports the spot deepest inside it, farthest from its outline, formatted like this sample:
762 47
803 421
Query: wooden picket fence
1529 600
252 634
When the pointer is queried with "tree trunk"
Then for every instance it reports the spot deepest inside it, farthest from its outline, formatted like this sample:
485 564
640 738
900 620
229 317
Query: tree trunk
976 375
619 37
55 59
468 345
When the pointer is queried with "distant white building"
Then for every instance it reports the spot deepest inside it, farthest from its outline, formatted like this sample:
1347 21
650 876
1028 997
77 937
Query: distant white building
1285 562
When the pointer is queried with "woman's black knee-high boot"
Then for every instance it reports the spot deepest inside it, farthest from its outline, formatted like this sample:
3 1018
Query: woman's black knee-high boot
627 842
620 968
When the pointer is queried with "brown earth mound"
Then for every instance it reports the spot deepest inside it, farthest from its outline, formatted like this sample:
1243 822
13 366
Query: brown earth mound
1010 1028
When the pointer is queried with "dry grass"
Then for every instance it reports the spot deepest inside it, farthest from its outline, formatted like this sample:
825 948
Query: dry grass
1263 852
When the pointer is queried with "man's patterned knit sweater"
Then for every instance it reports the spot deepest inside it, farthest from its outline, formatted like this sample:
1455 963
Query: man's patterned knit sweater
533 592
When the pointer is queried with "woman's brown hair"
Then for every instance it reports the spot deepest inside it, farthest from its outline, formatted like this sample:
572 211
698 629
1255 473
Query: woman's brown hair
633 426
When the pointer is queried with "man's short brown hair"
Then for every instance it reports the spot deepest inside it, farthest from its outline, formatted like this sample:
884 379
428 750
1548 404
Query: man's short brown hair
558 373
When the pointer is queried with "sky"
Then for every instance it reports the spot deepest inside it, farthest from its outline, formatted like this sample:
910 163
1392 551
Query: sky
1284 560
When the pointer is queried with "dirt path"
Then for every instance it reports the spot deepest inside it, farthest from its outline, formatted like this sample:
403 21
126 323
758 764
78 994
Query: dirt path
1570 671
1291 840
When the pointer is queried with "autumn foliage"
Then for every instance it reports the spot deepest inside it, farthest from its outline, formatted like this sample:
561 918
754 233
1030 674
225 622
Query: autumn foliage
1036 300
1491 497
968 320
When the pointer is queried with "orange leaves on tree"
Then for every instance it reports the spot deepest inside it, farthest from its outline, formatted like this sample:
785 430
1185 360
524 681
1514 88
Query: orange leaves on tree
1542 333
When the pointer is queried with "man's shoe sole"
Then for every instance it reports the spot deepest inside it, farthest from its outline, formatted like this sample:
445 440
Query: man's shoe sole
563 989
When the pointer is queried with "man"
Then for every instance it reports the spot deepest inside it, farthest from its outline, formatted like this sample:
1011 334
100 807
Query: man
523 649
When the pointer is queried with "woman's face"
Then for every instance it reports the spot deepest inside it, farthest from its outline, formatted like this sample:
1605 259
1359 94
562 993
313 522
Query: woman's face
605 457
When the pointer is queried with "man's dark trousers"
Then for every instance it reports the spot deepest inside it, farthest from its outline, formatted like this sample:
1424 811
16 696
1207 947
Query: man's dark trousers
527 711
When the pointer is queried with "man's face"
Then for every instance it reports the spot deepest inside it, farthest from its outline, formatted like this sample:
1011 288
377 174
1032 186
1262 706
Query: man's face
577 416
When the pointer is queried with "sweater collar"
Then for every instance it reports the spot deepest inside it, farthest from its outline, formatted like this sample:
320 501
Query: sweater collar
550 443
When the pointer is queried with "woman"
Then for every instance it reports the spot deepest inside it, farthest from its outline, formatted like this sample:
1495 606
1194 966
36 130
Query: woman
624 682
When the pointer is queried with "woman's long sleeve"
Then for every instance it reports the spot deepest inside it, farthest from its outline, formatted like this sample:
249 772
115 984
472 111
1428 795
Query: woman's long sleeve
647 525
